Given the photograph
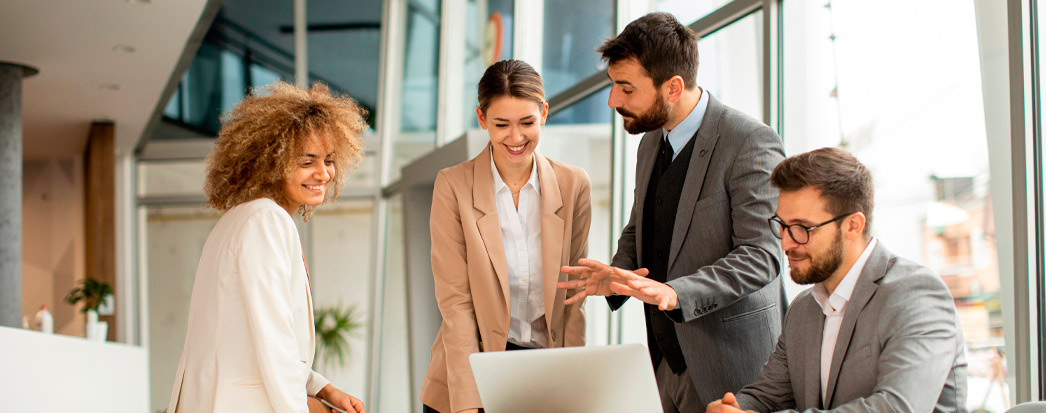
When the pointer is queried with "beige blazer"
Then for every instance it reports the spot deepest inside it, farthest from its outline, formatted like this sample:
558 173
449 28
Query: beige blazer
251 338
471 275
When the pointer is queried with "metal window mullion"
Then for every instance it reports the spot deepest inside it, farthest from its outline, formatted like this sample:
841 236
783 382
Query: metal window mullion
528 32
1039 207
301 55
772 65
1023 205
450 120
394 32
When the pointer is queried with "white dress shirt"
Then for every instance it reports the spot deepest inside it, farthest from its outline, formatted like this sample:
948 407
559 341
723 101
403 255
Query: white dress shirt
521 236
834 308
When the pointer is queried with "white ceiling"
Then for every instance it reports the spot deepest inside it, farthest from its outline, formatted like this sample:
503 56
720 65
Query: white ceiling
72 43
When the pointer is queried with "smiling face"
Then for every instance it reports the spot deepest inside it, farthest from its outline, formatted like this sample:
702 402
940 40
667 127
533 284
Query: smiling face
306 184
514 125
821 257
634 95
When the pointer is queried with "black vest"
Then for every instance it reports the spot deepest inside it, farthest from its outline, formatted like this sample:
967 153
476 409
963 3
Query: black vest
659 217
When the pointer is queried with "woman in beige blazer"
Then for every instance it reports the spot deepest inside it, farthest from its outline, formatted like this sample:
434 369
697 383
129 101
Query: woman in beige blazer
502 225
250 342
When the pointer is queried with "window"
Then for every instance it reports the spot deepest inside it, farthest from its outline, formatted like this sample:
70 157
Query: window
907 102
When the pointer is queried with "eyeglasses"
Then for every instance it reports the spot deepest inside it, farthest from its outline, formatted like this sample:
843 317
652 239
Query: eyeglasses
778 227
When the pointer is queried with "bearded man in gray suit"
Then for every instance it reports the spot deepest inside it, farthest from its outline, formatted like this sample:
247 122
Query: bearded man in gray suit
696 250
876 332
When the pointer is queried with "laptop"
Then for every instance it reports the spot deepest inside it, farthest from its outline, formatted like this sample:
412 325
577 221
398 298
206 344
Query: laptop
575 380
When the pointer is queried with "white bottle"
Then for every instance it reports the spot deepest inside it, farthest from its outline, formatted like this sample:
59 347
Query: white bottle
44 321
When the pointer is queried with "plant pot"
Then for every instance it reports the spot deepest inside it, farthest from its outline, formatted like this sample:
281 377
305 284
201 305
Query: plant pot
91 326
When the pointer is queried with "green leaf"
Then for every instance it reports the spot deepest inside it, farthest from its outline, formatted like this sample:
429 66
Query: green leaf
334 326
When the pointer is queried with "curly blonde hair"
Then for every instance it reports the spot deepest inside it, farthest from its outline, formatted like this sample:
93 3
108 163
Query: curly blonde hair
264 134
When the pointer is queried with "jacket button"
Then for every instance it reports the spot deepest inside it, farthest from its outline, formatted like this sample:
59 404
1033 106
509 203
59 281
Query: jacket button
553 336
702 153
660 337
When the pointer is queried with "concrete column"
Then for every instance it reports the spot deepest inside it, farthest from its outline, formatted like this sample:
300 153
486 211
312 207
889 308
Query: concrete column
11 76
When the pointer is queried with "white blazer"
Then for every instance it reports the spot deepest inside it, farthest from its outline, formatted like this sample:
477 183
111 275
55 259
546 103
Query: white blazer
251 338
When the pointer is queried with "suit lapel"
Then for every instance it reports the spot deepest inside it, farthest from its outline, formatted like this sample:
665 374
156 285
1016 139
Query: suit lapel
489 225
312 322
646 155
874 269
706 138
551 235
811 351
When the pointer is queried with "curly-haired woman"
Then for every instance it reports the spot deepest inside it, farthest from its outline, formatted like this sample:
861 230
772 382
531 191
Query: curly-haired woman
250 341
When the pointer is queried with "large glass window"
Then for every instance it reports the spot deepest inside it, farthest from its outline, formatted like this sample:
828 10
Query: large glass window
731 64
907 102
420 87
689 11
573 30
344 49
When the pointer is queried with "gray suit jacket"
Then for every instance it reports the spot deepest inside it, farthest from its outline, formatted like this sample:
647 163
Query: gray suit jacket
724 261
900 348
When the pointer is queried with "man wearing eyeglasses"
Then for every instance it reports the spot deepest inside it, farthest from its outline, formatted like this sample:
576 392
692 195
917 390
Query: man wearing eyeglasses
876 332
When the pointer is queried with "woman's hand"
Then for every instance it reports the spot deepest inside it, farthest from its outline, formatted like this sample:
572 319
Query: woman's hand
340 399
315 406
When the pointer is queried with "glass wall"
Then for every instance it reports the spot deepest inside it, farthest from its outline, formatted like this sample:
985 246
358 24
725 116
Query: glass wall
572 32
731 64
344 49
246 46
907 102
488 39
420 85
689 11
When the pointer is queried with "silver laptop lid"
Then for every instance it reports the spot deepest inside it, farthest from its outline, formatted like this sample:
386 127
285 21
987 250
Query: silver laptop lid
568 380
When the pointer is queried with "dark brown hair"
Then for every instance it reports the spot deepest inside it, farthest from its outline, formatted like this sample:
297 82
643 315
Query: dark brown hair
843 181
662 45
264 134
513 78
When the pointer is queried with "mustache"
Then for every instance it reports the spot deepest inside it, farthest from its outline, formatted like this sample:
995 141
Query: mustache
623 112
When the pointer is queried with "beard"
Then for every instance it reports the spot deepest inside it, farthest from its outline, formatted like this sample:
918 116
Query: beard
654 118
820 268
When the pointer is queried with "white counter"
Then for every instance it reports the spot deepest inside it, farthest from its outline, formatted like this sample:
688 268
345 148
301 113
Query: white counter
47 373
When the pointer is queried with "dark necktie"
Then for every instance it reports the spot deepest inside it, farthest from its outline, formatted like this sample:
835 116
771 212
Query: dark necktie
666 154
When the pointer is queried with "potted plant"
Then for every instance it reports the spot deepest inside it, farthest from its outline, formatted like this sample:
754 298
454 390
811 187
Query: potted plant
334 326
93 294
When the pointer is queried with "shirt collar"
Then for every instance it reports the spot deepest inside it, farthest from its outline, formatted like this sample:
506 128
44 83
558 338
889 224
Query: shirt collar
500 185
845 289
681 134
